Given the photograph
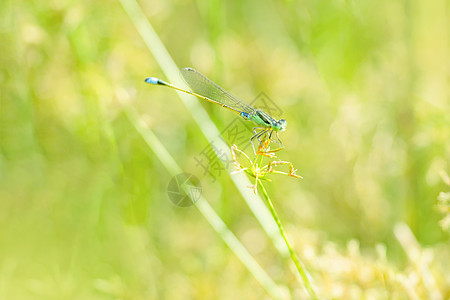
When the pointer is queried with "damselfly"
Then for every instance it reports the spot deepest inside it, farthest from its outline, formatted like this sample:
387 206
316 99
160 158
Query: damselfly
206 89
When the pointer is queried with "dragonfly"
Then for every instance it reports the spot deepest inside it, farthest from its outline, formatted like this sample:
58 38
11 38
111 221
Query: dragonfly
204 88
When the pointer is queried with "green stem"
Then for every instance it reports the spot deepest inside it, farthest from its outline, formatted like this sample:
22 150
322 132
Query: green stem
258 160
298 264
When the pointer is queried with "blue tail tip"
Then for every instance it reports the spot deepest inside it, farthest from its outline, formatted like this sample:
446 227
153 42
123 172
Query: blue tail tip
152 80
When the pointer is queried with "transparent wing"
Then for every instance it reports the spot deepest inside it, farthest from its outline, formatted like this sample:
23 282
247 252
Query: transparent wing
201 85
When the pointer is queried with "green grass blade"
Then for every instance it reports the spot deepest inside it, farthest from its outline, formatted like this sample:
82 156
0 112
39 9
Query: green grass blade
207 211
210 131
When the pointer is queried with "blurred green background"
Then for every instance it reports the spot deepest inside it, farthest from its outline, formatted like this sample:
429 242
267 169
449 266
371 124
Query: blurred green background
84 212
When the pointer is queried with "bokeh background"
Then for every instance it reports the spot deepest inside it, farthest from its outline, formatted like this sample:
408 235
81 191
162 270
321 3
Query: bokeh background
84 212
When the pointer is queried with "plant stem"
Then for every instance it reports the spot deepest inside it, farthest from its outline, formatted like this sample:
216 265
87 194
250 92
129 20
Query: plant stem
298 264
